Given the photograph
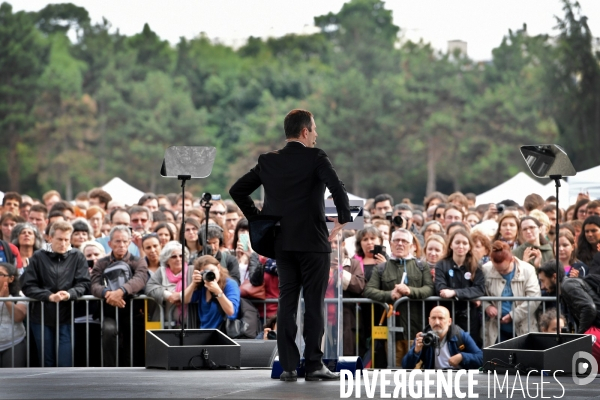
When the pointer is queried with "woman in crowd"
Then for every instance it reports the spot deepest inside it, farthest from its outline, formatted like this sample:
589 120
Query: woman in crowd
95 216
243 249
12 336
482 247
472 218
7 224
218 298
569 214
535 249
152 247
567 255
508 230
386 230
192 227
459 276
165 233
580 211
432 228
93 251
166 283
82 232
27 239
587 244
435 250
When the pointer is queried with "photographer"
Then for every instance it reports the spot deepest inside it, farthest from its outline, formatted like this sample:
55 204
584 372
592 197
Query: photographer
444 346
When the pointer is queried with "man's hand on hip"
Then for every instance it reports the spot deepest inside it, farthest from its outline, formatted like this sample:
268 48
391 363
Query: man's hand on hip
336 229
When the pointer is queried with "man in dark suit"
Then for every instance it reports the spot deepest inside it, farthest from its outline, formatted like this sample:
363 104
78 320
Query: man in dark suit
294 180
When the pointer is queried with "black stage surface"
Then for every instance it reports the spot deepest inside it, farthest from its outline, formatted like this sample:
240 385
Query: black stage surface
140 383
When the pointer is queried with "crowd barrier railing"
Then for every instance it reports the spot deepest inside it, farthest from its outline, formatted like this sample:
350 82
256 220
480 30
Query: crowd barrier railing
392 328
87 319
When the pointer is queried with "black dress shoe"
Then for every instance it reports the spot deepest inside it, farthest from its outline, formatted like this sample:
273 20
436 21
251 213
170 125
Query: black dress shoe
323 374
288 376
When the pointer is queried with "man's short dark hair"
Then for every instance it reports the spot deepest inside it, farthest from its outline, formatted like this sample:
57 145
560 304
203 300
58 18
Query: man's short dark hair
12 196
117 210
533 201
295 121
548 208
158 216
61 206
549 269
146 197
403 207
102 195
39 208
140 209
381 198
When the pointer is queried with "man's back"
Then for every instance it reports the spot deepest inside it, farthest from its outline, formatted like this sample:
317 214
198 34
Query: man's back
294 179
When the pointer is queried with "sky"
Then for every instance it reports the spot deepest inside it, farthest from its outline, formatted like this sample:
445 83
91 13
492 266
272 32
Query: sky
481 23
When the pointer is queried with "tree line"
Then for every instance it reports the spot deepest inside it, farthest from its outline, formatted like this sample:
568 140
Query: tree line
394 116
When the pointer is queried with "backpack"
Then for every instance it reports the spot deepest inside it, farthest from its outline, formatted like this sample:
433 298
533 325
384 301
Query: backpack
10 257
246 325
116 275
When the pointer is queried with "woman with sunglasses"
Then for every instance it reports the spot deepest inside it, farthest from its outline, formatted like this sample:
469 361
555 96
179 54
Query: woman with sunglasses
166 283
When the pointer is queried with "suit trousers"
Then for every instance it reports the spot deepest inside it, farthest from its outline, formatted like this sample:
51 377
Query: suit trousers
309 272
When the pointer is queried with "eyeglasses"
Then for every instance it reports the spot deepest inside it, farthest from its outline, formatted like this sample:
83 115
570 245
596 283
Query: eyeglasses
439 215
4 276
429 230
140 220
400 241
217 212
175 256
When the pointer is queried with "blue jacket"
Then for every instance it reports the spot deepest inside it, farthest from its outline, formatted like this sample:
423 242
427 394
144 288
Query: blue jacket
472 355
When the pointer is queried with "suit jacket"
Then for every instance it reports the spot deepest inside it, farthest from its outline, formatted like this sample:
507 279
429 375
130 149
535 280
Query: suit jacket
294 180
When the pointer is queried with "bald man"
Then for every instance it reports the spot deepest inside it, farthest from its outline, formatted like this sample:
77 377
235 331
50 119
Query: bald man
452 348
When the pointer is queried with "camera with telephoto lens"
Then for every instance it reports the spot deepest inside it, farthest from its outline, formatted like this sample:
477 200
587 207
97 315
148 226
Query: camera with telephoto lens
208 276
500 207
398 221
430 339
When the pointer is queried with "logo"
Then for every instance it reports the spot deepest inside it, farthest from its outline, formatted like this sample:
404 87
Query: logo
583 363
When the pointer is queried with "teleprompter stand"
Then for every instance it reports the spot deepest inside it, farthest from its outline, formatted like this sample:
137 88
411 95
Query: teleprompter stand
189 348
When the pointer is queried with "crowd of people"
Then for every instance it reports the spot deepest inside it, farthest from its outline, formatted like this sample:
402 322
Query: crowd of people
56 251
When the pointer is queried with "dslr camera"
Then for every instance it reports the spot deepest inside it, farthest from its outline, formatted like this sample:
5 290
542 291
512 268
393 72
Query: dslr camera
398 221
208 276
430 339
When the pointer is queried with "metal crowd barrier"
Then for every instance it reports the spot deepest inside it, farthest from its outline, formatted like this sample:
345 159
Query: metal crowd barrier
88 320
391 321
392 328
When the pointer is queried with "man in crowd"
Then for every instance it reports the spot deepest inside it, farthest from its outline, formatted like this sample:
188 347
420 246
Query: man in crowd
65 208
215 242
38 216
55 275
149 200
217 211
181 202
386 286
451 348
12 203
141 222
452 214
533 202
578 297
99 197
50 198
119 217
382 204
406 212
507 276
550 211
231 219
116 293
593 208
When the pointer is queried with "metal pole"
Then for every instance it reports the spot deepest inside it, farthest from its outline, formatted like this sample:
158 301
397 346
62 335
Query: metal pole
556 179
183 178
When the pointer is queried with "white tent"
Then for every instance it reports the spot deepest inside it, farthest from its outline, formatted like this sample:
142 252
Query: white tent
585 181
350 196
122 191
516 188
563 193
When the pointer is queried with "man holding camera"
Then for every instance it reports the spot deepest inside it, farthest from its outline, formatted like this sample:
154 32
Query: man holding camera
401 276
444 346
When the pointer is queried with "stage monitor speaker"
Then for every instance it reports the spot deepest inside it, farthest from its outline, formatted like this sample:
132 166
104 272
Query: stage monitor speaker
257 353
536 351
202 348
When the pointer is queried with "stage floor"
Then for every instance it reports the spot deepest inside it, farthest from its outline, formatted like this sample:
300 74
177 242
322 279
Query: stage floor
140 383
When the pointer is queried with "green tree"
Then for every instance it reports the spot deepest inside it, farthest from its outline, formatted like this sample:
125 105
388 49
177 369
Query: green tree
23 57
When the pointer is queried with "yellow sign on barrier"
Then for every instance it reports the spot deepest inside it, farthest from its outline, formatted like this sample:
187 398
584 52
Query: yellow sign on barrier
380 332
